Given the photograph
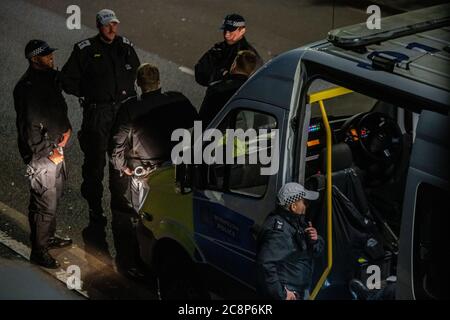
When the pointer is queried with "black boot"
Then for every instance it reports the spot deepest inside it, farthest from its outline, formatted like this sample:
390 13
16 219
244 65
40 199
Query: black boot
359 289
44 259
58 242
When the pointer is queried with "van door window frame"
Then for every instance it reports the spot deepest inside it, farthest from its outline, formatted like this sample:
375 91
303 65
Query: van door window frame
230 123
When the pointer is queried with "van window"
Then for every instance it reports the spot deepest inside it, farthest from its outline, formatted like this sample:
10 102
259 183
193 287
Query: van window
370 128
246 178
341 106
431 243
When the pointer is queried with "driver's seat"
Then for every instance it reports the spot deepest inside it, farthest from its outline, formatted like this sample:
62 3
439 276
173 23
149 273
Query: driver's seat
355 235
346 177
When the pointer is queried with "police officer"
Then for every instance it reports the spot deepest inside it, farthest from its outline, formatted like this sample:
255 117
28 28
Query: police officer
43 132
287 245
140 142
101 70
217 61
218 93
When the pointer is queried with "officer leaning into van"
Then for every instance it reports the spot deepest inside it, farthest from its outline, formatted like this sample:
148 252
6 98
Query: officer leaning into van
141 136
218 93
287 245
217 61
101 70
140 142
43 132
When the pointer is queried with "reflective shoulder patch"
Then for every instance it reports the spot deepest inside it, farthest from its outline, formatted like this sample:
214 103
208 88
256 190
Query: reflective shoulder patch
126 41
278 225
83 44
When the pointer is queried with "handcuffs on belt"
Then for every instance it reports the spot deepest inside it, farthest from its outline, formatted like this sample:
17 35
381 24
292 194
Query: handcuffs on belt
95 105
30 171
140 171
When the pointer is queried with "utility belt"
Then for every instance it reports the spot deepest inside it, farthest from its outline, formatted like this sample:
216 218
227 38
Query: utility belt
143 169
98 104
142 172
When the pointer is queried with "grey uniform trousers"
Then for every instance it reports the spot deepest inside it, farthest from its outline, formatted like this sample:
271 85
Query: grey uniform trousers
46 186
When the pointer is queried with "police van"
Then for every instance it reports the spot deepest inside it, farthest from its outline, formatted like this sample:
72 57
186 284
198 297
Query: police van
363 118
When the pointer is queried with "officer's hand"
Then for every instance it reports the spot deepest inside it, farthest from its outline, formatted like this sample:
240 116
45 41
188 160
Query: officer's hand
290 295
128 172
311 232
56 157
66 137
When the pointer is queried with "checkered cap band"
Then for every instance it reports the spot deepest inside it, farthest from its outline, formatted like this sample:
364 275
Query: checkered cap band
234 23
292 192
106 16
290 200
37 51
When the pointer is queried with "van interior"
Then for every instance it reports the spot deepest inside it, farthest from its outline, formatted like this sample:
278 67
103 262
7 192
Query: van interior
371 147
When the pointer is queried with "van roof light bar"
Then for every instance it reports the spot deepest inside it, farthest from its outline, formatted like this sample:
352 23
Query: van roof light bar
359 35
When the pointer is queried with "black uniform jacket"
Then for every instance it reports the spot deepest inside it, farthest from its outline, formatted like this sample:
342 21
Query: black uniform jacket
101 72
143 129
218 94
218 59
285 255
41 113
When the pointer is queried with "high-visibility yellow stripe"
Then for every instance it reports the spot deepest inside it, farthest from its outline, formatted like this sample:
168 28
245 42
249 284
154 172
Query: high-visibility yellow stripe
328 94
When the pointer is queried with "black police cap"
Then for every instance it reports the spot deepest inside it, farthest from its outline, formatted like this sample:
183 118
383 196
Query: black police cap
37 48
232 21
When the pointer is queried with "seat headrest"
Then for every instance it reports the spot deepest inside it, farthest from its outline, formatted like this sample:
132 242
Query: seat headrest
341 157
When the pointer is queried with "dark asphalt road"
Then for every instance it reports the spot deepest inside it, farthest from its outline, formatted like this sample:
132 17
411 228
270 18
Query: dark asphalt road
21 280
23 21
181 30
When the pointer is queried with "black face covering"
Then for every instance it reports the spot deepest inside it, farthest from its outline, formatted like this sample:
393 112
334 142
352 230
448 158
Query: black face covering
302 220
300 238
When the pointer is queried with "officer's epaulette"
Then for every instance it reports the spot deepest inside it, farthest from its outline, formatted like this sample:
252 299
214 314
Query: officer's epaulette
25 79
83 44
172 94
214 83
24 84
219 45
131 99
175 97
278 224
127 41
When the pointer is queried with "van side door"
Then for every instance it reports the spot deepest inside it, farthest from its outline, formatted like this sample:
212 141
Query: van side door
231 201
424 235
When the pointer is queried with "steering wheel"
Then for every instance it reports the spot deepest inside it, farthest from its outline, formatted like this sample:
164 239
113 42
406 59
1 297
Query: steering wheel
380 137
